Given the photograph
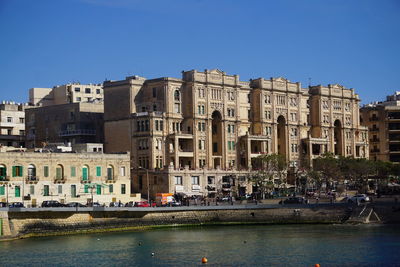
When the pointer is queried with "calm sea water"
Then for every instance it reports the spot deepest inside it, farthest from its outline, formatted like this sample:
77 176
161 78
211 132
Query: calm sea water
276 245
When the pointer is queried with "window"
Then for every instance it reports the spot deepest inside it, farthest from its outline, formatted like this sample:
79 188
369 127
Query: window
154 92
86 188
201 109
18 191
46 171
85 173
110 173
268 114
202 144
77 89
2 190
59 172
98 171
9 119
17 171
178 180
111 188
177 108
73 190
248 98
268 130
98 91
293 132
280 100
154 107
267 99
122 171
123 189
21 120
87 91
210 179
78 99
32 190
293 116
59 189
46 190
195 180
231 112
231 128
73 171
98 189
177 95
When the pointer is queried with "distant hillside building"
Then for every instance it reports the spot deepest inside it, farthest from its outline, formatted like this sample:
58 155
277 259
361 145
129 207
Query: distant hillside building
12 124
383 121
65 94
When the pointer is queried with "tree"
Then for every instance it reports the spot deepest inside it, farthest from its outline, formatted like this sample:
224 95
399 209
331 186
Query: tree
328 166
273 171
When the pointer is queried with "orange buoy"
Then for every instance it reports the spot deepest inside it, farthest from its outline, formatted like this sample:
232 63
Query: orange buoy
317 265
204 260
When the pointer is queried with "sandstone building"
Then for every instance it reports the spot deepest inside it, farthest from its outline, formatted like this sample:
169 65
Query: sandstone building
32 177
383 121
64 94
201 134
12 124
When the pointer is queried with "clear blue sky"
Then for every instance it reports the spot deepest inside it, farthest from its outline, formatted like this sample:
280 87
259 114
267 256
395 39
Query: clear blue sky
50 42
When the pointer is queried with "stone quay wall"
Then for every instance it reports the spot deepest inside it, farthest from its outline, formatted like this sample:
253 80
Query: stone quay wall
20 223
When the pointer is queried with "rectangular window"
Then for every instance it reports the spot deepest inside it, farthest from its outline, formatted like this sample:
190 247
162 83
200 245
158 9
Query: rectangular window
98 91
178 180
123 189
86 188
9 119
73 190
98 171
58 173
17 171
98 189
111 188
156 122
17 191
46 171
195 180
21 120
59 189
73 171
2 190
87 91
46 190
122 171
77 89
154 92
32 190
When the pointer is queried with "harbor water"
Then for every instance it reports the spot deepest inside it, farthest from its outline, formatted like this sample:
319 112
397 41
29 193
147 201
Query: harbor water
260 245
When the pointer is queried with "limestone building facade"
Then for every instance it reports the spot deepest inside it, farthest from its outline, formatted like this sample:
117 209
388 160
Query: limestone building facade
202 134
12 124
32 177
65 94
383 120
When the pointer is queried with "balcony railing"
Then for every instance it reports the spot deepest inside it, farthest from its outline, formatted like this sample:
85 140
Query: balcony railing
4 178
32 178
77 132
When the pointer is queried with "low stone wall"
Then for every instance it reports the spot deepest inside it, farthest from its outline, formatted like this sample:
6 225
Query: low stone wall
36 222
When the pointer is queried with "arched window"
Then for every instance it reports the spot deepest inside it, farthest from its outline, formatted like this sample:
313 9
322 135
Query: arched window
177 95
85 173
110 172
31 172
59 172
3 172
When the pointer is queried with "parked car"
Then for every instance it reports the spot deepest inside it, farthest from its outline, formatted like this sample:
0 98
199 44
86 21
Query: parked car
294 200
118 204
16 205
3 205
359 198
95 204
144 204
75 204
51 204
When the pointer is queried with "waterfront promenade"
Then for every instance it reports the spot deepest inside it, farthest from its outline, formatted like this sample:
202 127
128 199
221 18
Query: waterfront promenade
25 222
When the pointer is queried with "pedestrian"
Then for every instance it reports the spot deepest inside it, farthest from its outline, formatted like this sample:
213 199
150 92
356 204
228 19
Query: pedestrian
316 200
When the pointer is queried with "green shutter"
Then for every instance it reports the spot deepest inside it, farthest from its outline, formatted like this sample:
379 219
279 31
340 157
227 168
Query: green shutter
73 171
2 189
58 173
84 173
46 171
98 189
17 191
14 171
111 188
22 171
98 171
73 190
86 188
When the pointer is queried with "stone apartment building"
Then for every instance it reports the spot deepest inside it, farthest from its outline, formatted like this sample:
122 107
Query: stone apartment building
383 121
201 134
74 123
32 177
64 94
12 124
